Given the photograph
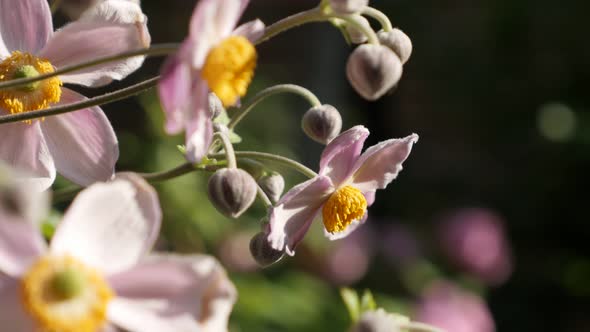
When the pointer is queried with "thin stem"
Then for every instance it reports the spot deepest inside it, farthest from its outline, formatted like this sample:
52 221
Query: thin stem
262 195
66 194
154 50
229 149
315 15
273 158
55 6
169 174
99 100
282 88
379 16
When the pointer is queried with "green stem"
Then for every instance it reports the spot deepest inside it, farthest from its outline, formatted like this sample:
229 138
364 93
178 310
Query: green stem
99 100
379 16
282 88
229 149
273 158
262 195
315 15
154 50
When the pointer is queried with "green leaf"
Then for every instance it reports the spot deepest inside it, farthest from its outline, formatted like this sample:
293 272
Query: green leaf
368 302
352 303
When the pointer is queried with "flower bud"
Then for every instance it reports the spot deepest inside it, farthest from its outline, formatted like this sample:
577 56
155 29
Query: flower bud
357 36
232 191
398 42
273 185
262 252
377 321
322 123
215 105
348 6
373 70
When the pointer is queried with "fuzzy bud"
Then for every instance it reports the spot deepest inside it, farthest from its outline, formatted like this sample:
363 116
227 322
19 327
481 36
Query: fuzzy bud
348 6
232 191
373 70
215 105
357 36
322 123
262 252
398 42
273 185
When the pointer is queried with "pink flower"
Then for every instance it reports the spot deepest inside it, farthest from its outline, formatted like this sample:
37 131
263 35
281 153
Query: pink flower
95 275
446 306
214 57
475 240
342 191
81 145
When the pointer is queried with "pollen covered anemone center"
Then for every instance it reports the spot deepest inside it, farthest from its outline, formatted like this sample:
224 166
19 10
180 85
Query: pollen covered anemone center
62 294
33 96
344 206
229 68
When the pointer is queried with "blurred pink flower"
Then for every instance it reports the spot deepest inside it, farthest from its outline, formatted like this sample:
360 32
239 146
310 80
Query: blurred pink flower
95 276
213 57
81 145
399 244
474 239
446 306
343 190
348 261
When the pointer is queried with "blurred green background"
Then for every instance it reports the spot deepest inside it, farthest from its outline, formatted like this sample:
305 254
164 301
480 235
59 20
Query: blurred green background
497 91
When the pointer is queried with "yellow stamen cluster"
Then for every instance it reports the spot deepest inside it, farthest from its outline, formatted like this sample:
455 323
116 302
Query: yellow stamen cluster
344 206
62 294
31 97
229 68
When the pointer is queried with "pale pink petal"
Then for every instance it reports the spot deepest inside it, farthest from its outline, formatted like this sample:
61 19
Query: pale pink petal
106 227
175 92
83 143
340 154
21 200
20 244
370 197
25 25
347 231
12 314
173 293
110 28
290 219
380 164
212 20
199 125
23 148
252 30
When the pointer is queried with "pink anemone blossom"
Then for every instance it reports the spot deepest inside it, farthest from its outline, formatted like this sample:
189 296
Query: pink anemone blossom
80 145
342 191
214 57
94 275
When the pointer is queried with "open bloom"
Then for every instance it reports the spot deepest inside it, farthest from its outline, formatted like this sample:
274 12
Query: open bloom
214 57
342 191
81 145
94 275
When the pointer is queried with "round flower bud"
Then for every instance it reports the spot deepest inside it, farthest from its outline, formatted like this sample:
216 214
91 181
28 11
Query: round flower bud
322 123
262 252
232 191
273 185
398 42
215 105
357 36
348 6
373 70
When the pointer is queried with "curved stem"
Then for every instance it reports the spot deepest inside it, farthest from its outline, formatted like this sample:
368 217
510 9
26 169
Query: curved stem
282 88
100 100
262 195
229 149
273 158
154 50
315 15
379 16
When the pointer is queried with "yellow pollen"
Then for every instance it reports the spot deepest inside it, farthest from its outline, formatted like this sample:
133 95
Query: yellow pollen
55 310
229 69
31 97
344 206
